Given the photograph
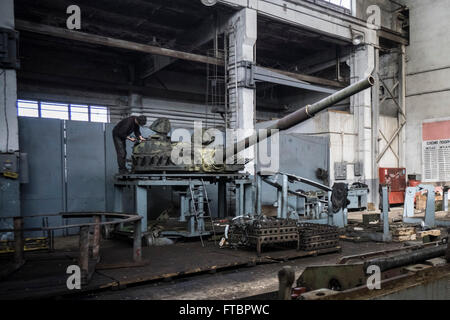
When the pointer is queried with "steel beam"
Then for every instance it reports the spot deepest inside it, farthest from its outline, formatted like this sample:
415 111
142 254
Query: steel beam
280 77
392 96
145 48
387 146
387 141
111 42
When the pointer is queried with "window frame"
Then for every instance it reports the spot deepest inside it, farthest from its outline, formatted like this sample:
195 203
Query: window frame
69 109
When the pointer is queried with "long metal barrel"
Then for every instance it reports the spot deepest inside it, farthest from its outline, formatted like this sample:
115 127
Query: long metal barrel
407 258
300 115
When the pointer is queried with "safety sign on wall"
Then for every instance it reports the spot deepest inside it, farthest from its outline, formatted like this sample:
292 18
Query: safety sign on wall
436 151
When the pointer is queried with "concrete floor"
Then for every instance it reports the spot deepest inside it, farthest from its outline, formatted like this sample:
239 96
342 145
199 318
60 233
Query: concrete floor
235 284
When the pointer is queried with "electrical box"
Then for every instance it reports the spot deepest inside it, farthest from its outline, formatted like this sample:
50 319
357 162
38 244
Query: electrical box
340 170
9 40
9 165
359 169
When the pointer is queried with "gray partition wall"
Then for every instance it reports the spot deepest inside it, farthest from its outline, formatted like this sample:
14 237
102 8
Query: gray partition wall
85 165
306 155
42 140
67 169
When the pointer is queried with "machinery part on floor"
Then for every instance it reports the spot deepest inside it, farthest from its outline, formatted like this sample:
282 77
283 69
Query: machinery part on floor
379 229
429 283
286 277
407 258
333 277
365 256
259 231
357 195
315 236
343 277
339 197
338 205
430 210
154 154
311 204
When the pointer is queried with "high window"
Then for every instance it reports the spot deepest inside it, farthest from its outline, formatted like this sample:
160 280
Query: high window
63 111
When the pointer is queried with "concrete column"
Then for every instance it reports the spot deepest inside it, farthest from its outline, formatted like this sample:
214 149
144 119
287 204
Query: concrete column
365 117
242 40
402 101
9 132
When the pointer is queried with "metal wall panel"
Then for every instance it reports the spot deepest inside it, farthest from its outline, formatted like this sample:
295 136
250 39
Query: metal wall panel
85 166
110 167
42 140
306 155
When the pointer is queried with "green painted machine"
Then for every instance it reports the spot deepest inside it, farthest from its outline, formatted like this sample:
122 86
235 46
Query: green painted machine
155 154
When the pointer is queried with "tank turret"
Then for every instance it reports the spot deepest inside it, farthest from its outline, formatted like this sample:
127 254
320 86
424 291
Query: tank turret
154 154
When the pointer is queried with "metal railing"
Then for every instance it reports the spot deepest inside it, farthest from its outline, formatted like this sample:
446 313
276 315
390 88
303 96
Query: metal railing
89 251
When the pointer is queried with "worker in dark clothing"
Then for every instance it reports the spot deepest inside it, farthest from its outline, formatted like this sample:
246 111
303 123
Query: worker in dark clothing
121 133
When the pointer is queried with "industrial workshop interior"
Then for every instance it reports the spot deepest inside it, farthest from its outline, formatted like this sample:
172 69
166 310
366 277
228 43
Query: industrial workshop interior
227 150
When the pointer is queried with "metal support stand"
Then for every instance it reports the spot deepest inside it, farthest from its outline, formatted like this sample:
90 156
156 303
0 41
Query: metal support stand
445 199
340 218
18 241
222 198
258 195
96 240
183 207
385 215
143 182
244 198
83 260
241 200
137 241
279 203
430 210
118 206
141 206
284 202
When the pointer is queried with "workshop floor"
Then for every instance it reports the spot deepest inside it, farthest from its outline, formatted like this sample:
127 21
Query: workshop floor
185 270
180 271
233 284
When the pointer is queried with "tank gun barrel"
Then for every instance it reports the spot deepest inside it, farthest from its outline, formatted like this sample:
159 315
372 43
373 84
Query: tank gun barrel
300 115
